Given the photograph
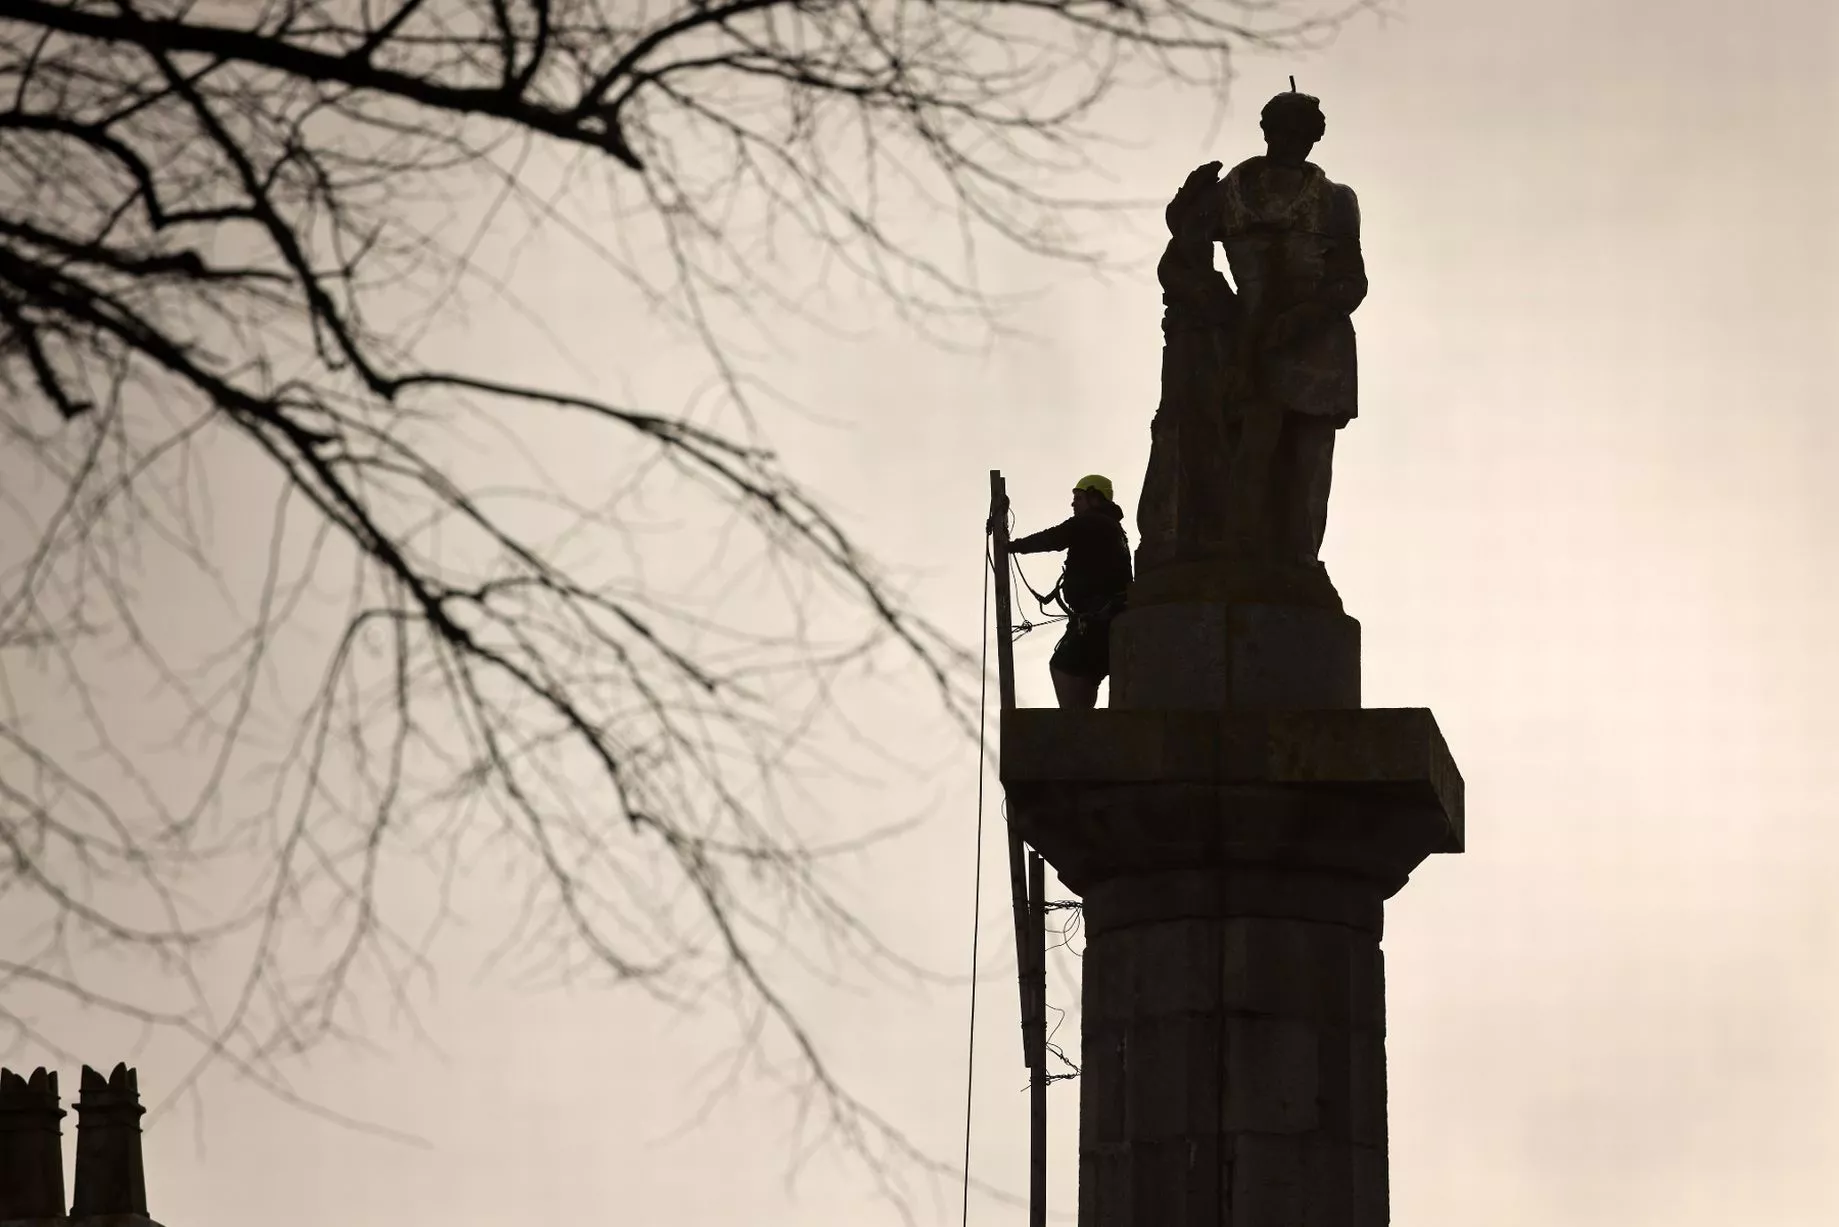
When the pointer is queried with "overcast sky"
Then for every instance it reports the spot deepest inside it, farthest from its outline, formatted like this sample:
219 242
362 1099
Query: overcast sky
1585 516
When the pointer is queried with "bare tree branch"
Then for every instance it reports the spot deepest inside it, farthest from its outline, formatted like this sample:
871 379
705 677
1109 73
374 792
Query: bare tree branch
224 233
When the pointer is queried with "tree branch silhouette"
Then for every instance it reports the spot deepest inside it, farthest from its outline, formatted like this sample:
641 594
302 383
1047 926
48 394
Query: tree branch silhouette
213 267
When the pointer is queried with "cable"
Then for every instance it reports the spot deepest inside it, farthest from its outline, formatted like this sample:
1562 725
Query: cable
1053 594
970 1056
1023 625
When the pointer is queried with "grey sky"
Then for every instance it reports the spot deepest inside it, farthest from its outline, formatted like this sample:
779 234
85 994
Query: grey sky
1584 516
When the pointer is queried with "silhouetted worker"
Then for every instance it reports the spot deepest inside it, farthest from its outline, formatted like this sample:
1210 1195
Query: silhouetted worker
1091 587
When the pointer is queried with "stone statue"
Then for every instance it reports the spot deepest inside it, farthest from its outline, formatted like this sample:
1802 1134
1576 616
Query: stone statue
1256 377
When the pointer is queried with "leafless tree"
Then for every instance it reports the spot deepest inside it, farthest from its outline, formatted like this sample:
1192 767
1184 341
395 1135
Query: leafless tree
217 264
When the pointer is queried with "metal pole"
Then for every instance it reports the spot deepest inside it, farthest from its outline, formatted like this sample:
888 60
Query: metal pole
999 553
1026 884
1037 1044
1005 690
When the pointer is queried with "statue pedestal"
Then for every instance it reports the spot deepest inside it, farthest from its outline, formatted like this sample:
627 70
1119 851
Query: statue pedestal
1233 868
1221 636
1210 657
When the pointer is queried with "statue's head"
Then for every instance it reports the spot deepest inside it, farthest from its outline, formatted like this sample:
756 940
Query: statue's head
1292 124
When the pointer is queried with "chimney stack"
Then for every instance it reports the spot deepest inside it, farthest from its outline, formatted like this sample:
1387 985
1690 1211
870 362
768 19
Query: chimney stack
110 1178
31 1155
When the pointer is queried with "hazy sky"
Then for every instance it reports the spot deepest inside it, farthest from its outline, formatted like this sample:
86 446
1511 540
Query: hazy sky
1583 516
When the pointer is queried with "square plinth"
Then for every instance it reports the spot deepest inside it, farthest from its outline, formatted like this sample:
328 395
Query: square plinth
1107 793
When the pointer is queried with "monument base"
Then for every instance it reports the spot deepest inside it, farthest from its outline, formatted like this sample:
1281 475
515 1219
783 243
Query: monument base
1232 577
1245 657
1234 868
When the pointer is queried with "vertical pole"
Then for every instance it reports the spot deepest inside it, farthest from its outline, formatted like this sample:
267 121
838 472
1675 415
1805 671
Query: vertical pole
999 553
1037 1043
1027 887
1005 690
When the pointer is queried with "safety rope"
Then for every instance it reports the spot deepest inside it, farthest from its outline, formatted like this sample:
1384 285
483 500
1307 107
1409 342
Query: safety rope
970 1056
1053 594
1023 625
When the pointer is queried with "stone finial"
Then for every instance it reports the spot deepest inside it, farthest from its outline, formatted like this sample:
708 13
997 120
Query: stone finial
110 1177
31 1153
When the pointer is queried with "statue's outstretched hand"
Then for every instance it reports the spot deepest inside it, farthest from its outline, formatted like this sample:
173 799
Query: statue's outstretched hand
1203 176
1193 203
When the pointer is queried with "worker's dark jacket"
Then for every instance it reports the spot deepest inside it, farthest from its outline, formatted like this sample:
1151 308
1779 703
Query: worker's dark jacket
1097 557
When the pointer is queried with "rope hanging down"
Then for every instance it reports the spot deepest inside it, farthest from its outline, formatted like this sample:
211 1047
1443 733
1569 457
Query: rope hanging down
970 1056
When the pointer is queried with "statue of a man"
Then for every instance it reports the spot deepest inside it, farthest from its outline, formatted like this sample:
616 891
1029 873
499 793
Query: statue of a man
1292 241
1257 379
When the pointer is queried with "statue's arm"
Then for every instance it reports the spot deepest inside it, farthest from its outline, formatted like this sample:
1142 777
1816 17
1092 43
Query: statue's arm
1343 284
1344 280
1186 270
1187 275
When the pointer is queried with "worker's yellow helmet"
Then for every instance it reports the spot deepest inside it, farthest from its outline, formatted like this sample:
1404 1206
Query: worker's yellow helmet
1096 484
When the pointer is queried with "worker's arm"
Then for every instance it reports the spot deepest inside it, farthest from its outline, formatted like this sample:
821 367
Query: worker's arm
1059 537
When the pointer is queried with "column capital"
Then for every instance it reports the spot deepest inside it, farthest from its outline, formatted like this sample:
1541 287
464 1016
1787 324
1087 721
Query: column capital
1109 794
